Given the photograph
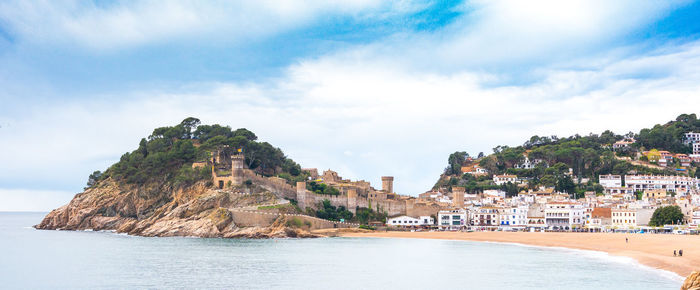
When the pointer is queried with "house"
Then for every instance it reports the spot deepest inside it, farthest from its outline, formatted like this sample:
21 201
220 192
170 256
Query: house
455 219
622 143
654 194
407 221
515 216
527 164
475 170
563 215
600 217
536 222
486 216
684 159
623 218
503 179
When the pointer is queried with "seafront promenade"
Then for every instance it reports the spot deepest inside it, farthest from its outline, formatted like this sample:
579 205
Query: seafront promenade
654 250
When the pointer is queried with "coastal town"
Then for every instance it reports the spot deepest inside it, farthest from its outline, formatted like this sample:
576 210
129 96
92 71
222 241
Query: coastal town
624 203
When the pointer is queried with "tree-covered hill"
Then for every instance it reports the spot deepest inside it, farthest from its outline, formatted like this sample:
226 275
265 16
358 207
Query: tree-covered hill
168 153
587 157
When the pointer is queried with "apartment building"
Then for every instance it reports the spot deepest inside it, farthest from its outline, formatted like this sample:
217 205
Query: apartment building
563 215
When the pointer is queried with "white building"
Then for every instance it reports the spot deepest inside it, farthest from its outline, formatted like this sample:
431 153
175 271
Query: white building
503 179
407 221
695 218
691 138
527 164
678 184
495 193
623 218
622 144
564 215
610 180
455 219
515 216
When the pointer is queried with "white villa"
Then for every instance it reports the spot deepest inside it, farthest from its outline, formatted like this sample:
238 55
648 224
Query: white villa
407 221
503 179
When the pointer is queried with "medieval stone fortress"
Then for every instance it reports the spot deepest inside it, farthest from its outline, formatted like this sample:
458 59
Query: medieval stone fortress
230 170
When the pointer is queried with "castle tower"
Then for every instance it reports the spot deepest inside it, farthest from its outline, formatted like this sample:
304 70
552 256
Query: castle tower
388 184
301 194
458 196
238 168
352 200
238 161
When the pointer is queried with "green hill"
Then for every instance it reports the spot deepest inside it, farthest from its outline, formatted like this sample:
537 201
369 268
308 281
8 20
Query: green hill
586 156
166 156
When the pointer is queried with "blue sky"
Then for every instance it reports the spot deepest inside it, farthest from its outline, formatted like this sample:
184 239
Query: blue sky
366 88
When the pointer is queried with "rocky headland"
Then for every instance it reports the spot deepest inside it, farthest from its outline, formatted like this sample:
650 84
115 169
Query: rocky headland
164 211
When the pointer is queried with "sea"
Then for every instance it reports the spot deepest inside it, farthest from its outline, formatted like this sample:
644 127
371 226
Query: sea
41 259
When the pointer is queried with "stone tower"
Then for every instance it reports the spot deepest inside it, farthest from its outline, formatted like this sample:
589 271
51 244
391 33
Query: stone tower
301 194
238 168
458 196
238 161
352 200
388 184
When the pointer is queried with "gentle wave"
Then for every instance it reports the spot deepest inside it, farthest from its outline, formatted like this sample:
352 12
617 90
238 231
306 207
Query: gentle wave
600 255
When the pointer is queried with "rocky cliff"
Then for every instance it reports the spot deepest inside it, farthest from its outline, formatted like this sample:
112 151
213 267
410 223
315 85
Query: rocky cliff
163 211
692 282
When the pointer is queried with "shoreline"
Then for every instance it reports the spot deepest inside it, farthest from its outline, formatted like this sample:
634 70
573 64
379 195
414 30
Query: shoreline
603 255
645 249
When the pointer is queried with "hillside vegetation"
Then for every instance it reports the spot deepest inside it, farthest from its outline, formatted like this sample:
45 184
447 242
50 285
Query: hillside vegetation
567 161
166 156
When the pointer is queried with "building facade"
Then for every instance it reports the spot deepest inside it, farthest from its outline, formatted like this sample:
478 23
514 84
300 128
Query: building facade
455 219
563 215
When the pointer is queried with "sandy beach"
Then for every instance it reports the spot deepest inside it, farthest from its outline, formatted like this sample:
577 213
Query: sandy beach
649 249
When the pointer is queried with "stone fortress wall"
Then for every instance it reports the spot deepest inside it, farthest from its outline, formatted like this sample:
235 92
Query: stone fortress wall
353 194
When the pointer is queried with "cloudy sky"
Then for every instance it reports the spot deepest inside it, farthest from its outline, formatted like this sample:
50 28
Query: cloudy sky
366 88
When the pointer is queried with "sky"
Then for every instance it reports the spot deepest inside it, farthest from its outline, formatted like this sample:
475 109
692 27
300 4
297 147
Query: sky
365 88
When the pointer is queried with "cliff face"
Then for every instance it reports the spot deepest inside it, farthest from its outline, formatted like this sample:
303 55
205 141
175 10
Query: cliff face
692 282
164 211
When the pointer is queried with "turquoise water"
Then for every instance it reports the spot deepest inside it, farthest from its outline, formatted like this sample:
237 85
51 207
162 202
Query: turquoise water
62 259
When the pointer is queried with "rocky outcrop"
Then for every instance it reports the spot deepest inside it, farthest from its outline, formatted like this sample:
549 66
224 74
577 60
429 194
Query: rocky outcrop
692 282
164 211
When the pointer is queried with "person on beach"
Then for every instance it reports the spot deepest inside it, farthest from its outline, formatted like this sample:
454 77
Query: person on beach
680 252
626 240
674 253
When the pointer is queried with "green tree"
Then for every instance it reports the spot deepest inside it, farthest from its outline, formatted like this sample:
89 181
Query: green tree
94 178
189 124
666 215
455 162
510 188
565 184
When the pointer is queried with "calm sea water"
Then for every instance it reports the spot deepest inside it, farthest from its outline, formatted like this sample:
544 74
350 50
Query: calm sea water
62 259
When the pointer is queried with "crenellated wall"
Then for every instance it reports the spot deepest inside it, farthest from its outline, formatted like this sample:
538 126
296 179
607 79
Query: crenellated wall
349 200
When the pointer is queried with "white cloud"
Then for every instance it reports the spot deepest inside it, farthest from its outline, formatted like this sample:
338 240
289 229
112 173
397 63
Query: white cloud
364 119
395 107
109 26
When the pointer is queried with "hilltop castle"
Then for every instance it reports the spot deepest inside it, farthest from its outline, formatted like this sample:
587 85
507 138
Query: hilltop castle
230 170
